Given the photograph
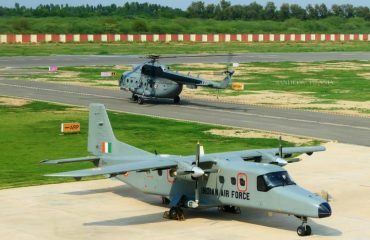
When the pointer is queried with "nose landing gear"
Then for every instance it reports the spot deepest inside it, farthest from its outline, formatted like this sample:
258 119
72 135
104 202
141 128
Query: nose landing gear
304 229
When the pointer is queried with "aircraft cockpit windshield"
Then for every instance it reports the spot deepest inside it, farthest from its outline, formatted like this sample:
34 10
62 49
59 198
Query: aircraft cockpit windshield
274 179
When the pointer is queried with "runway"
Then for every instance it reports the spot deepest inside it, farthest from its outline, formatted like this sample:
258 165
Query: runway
345 129
88 60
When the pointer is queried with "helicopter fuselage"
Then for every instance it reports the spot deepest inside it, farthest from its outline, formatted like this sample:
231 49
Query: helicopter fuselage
153 80
148 87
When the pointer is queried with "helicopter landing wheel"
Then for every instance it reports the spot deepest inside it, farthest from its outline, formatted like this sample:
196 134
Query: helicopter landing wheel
134 97
176 99
140 100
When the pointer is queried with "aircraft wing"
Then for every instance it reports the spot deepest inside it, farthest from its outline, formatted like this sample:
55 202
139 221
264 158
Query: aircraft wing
118 169
308 150
286 151
71 160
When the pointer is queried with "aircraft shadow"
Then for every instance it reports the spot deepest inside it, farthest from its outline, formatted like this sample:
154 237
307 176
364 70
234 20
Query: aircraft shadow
250 216
203 104
256 217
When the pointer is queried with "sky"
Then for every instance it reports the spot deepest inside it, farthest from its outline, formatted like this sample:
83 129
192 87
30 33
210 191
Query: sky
179 4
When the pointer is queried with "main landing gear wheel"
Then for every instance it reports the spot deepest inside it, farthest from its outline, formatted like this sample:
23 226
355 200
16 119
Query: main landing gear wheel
165 201
175 213
229 209
304 229
140 100
176 99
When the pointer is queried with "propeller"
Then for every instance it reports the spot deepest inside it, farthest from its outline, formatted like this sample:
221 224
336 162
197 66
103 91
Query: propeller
197 160
280 148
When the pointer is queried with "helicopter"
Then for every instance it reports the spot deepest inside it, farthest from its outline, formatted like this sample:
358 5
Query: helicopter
152 80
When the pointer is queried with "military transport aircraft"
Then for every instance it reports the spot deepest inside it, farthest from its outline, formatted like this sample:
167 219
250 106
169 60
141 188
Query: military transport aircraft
228 180
154 80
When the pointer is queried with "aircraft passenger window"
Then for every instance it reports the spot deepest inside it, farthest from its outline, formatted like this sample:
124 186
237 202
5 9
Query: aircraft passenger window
221 179
159 172
233 181
242 182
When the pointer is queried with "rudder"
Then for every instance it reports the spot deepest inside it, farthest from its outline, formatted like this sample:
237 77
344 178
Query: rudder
101 139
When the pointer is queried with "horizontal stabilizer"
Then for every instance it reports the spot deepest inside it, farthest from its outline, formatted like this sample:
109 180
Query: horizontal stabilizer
118 169
71 160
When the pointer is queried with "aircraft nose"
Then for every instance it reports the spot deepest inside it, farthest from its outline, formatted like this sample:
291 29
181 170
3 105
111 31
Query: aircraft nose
324 210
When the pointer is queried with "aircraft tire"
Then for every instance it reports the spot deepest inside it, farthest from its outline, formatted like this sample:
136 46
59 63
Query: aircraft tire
140 100
176 99
134 97
308 230
301 231
174 213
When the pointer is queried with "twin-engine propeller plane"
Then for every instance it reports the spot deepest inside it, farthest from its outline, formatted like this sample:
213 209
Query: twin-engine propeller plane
228 180
152 80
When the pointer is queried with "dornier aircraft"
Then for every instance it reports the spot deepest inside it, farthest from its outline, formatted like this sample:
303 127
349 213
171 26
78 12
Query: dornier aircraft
227 180
152 80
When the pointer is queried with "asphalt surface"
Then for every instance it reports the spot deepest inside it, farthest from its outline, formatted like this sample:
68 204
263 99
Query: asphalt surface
86 60
346 129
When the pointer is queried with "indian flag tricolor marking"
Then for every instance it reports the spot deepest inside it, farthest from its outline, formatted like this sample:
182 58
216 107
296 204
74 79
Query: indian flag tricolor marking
106 147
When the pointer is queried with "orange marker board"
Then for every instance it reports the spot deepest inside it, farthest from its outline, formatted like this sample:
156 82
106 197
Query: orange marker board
237 86
70 127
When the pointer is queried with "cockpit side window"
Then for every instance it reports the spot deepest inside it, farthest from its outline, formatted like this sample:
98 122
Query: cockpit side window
274 179
261 184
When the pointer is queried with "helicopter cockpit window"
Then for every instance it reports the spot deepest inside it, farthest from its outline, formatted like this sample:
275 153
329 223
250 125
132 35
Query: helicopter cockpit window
275 179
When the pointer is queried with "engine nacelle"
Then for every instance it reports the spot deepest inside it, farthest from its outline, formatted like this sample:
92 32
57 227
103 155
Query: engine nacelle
269 158
188 172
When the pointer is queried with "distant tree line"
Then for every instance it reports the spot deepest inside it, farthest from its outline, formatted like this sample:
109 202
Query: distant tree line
198 9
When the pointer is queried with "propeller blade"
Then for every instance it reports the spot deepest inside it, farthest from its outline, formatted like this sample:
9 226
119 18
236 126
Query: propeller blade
196 192
280 148
197 156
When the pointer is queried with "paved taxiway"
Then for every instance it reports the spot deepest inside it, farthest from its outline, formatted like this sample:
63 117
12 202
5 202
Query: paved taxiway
107 209
346 129
86 60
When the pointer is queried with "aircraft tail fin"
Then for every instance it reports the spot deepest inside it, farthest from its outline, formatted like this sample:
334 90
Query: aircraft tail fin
101 139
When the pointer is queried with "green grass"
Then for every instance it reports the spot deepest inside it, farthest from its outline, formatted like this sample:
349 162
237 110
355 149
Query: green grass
120 24
327 81
46 49
31 133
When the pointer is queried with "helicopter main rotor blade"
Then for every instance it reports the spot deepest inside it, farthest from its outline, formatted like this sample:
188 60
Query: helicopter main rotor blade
187 56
